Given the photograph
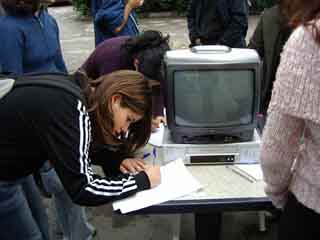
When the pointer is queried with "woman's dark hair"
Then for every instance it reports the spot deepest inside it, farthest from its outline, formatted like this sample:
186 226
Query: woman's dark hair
136 96
20 7
148 48
302 12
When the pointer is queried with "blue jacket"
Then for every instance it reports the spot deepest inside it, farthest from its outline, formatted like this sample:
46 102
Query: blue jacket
30 44
108 15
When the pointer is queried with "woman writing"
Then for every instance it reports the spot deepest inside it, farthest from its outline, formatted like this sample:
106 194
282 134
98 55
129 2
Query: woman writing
30 43
66 130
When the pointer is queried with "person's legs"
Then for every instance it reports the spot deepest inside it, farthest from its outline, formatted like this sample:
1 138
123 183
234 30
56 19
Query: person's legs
16 219
71 217
36 206
298 222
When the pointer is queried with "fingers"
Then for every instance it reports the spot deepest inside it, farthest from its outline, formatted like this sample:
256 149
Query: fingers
157 121
140 164
137 165
132 165
123 169
164 120
127 168
198 41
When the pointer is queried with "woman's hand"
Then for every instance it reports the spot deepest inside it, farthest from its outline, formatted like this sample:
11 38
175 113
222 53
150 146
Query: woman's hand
154 175
132 165
135 3
131 4
157 121
198 41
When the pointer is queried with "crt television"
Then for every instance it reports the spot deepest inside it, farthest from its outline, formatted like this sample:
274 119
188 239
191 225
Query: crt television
211 94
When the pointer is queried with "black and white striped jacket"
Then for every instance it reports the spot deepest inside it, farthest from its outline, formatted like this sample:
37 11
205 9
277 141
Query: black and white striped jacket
39 123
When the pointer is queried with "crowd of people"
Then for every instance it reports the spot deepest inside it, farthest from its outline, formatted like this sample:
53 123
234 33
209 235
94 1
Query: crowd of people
116 102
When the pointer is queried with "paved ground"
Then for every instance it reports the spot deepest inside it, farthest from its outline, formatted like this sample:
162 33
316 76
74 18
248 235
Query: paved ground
77 43
77 33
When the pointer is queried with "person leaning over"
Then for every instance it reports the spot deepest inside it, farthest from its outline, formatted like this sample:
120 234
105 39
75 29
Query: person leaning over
143 53
268 40
66 130
290 156
31 44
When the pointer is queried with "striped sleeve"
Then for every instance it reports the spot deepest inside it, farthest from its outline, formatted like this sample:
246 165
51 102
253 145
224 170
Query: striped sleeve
76 174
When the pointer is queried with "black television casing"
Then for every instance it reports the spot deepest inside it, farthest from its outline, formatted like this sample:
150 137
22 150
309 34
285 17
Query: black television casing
210 58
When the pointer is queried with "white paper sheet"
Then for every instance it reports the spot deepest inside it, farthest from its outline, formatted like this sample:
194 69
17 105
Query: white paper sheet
156 138
252 170
176 181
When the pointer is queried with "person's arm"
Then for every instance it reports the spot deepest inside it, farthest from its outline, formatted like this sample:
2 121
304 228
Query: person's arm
66 134
131 4
109 160
280 145
235 22
59 61
191 18
113 15
256 41
12 48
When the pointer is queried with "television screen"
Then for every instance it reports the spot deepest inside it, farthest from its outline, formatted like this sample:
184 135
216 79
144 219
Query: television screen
219 98
211 94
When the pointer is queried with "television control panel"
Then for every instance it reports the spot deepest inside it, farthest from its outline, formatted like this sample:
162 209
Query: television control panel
212 159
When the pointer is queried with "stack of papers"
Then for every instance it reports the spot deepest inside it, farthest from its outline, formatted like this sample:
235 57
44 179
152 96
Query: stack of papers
176 181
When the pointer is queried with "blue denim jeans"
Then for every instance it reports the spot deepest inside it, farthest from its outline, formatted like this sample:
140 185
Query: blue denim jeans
16 220
71 217
36 206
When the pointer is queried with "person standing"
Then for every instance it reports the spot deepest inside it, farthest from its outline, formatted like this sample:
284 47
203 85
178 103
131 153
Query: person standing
290 156
268 40
219 22
112 18
31 44
29 38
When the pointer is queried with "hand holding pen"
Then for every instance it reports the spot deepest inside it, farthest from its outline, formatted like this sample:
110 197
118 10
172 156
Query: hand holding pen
134 165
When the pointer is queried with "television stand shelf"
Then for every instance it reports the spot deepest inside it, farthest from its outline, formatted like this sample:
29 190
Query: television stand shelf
235 152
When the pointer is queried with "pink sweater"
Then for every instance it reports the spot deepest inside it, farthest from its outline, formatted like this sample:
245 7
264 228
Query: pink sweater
290 153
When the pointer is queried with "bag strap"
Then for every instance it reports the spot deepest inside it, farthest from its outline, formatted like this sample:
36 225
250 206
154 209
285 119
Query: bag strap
6 85
51 80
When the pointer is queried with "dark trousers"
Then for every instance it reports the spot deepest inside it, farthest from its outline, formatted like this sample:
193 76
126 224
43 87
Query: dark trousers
298 222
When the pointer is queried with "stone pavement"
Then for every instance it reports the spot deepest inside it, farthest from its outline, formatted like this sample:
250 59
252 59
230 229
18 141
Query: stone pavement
76 33
77 43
